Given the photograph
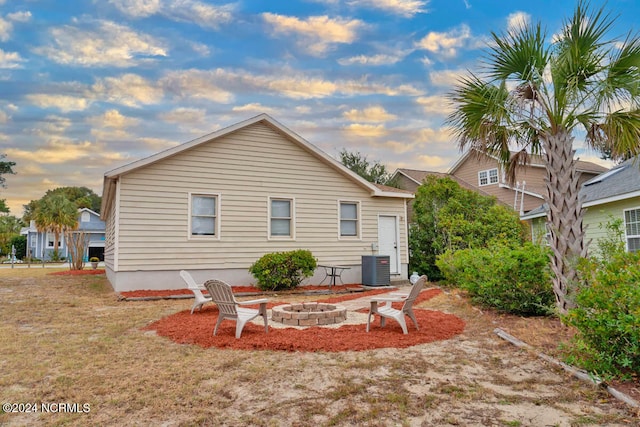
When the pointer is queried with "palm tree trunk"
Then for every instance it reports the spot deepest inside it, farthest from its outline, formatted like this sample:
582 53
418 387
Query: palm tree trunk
564 215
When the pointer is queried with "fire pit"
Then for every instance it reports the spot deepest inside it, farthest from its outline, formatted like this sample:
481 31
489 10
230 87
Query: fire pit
309 314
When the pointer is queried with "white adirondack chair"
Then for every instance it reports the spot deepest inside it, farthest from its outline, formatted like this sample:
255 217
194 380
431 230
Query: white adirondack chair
387 311
200 299
229 307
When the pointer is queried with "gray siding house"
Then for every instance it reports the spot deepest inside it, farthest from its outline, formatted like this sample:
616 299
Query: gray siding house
40 244
216 204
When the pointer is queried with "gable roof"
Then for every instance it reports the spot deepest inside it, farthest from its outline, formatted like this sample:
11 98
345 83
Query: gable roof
535 161
418 176
112 176
619 183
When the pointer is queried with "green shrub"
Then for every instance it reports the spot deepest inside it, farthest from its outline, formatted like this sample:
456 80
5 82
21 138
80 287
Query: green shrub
607 315
283 270
514 280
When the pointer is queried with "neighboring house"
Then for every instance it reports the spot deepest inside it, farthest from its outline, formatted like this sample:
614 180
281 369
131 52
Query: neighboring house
40 244
613 194
216 204
484 172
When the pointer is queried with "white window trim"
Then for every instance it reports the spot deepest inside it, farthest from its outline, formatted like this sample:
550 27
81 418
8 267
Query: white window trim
358 236
53 237
624 220
488 173
85 217
218 216
292 230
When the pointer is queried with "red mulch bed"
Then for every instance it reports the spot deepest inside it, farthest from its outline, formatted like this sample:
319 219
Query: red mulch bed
184 328
236 289
77 272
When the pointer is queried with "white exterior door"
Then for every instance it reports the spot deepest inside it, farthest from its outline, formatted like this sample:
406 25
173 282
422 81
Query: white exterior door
388 240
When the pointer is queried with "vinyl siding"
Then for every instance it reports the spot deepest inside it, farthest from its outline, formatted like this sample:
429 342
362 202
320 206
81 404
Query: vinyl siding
244 168
533 177
596 217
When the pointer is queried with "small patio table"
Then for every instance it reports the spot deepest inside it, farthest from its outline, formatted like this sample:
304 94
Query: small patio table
333 272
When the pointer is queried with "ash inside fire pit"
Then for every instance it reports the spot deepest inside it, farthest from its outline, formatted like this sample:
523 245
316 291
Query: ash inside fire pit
309 314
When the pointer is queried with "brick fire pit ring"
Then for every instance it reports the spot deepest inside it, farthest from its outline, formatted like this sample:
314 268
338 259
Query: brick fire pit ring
309 314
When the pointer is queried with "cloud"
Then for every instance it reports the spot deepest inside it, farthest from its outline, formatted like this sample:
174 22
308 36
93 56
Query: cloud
20 16
130 90
375 60
4 117
436 104
374 114
446 78
5 29
447 43
184 116
64 103
104 43
317 34
253 107
56 150
53 125
196 84
10 59
137 8
405 8
112 119
517 20
196 12
366 130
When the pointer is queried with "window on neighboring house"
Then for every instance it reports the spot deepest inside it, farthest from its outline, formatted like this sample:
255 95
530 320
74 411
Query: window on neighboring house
281 218
204 215
488 177
85 217
51 241
349 219
632 229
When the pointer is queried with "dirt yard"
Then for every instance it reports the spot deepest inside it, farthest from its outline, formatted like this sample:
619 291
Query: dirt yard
75 353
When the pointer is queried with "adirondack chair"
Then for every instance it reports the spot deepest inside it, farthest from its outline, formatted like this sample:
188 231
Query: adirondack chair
387 311
229 307
200 299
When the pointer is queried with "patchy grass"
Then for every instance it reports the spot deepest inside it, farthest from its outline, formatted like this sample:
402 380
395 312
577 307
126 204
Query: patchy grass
68 339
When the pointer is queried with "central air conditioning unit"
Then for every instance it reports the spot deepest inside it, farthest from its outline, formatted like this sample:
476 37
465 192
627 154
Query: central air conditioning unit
376 270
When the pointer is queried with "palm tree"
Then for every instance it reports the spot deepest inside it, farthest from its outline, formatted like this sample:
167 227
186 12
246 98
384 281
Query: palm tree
534 94
56 214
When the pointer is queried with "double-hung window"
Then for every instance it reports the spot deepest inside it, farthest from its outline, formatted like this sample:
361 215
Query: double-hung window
349 221
204 215
632 229
487 177
281 217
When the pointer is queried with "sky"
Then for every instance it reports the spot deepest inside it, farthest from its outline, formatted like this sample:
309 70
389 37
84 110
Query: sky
87 86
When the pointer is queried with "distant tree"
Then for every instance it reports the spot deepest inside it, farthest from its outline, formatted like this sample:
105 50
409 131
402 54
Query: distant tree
9 228
82 197
5 168
374 172
55 214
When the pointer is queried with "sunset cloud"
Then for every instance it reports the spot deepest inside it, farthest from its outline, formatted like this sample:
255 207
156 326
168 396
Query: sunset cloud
202 14
447 43
316 34
375 114
131 90
101 43
406 8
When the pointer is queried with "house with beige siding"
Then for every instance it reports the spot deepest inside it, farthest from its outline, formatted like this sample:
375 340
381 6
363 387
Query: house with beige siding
614 194
216 204
484 172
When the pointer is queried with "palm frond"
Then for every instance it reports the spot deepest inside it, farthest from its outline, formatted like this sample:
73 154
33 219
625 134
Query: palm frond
619 134
621 82
521 55
480 116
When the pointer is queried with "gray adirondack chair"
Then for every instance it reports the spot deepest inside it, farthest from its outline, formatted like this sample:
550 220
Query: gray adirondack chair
387 311
200 299
229 307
